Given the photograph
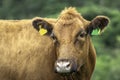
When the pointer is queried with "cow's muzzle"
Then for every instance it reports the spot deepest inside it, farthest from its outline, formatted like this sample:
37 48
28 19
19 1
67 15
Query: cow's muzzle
65 66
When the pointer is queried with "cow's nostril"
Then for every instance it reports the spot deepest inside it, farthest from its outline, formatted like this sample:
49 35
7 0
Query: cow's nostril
68 64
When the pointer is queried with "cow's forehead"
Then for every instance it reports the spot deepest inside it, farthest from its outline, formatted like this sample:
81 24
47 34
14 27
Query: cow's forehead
69 23
68 28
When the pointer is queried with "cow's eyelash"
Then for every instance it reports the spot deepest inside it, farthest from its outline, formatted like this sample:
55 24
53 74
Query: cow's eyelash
81 34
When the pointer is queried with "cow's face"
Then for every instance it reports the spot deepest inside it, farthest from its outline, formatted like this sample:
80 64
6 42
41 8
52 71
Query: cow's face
70 33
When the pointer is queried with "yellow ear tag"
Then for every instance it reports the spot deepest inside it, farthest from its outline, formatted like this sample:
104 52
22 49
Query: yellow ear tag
42 31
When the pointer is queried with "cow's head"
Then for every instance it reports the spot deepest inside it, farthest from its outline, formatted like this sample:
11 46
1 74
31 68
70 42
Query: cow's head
71 36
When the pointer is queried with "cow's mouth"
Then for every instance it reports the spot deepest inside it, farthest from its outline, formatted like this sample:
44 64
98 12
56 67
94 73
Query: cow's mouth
73 76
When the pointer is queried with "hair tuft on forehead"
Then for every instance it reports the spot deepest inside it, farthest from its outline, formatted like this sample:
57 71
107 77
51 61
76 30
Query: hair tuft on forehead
69 13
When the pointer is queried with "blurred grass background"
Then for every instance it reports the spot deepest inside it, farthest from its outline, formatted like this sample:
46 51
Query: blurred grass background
107 45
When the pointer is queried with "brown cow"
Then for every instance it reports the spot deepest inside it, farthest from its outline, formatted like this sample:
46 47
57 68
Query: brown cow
71 33
65 52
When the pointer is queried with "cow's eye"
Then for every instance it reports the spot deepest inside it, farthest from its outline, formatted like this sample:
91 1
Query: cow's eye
82 34
53 36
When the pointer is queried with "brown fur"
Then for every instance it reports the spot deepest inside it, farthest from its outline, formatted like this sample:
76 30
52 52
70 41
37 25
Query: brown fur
24 55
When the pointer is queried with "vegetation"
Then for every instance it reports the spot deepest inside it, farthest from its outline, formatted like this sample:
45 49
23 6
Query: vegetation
107 44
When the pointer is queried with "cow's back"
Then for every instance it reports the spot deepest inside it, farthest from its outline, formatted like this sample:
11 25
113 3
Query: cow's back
24 54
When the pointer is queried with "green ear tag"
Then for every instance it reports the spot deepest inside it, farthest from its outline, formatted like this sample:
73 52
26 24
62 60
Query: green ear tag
42 31
96 32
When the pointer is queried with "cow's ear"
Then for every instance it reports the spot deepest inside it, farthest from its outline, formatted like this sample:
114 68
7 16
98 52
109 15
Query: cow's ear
97 25
42 26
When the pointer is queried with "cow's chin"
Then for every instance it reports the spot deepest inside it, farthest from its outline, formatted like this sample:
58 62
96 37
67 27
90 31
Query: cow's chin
70 76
